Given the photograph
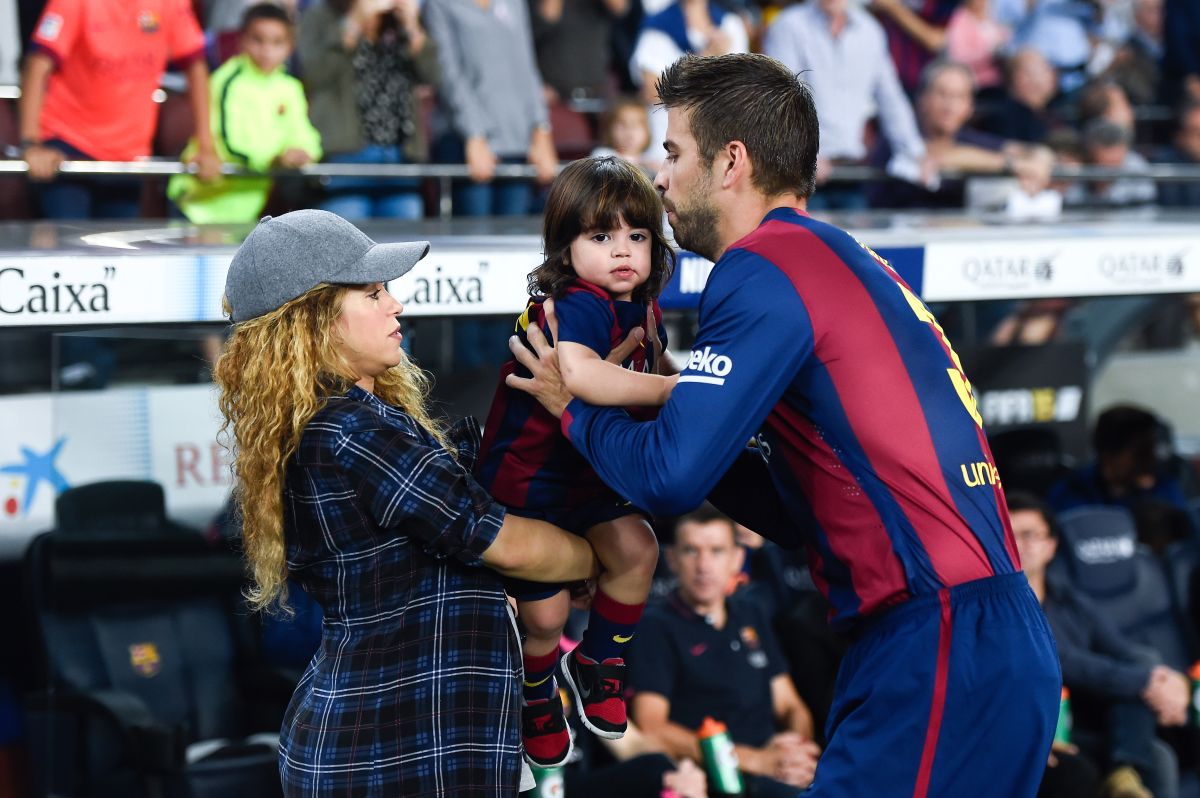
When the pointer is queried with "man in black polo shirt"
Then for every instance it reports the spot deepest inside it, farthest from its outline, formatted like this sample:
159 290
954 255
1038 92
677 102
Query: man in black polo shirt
698 653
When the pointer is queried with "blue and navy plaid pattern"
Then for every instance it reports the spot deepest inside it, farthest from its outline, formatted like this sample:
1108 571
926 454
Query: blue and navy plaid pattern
415 690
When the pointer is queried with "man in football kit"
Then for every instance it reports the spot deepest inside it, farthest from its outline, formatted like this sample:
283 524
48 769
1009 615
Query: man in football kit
869 450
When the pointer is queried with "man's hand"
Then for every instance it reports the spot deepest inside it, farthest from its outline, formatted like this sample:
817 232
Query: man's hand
546 384
787 757
481 161
542 155
208 165
1169 694
43 162
292 158
687 780
1059 748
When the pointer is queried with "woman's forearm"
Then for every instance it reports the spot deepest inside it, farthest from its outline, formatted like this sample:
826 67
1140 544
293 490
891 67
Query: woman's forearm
541 552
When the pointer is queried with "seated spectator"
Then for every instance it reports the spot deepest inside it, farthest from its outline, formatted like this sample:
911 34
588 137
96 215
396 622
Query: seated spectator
916 34
1109 144
1105 99
625 132
1127 468
974 38
363 60
1062 31
1185 150
1024 114
259 120
944 106
843 53
571 40
1181 52
699 654
681 27
87 94
1136 63
1131 690
493 107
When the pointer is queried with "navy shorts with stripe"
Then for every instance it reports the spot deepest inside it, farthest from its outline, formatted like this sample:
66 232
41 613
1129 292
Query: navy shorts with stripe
949 695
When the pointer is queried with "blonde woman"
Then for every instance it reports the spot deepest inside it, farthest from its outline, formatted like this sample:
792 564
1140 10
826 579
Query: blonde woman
347 485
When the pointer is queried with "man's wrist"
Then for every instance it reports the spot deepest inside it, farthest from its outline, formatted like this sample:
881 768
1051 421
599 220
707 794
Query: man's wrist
29 141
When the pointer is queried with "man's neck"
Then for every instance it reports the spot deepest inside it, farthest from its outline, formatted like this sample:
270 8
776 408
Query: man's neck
714 613
745 216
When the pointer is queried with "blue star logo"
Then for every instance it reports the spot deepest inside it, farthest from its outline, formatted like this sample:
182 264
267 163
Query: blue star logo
36 469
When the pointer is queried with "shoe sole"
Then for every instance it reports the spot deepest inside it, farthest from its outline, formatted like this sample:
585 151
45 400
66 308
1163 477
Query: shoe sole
566 757
583 718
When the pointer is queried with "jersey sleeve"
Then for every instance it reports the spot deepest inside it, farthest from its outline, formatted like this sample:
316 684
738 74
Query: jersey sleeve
754 336
586 319
59 27
185 40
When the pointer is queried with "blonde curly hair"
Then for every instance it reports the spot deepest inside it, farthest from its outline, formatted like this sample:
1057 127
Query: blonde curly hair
274 373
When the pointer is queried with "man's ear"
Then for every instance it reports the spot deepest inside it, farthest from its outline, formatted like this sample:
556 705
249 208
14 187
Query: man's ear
735 163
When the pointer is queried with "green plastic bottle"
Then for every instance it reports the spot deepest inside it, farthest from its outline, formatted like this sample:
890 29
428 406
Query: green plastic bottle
1062 732
548 783
720 760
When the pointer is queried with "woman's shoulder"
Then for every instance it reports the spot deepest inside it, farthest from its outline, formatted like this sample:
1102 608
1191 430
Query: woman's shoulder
356 411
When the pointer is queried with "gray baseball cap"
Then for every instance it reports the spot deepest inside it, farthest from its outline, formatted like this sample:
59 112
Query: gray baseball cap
286 256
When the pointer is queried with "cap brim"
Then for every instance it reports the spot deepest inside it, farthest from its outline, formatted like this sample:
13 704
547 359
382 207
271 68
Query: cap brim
385 262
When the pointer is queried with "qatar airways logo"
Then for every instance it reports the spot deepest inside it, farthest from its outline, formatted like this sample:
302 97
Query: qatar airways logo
712 367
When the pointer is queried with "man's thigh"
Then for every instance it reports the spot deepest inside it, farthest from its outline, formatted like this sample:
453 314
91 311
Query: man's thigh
957 698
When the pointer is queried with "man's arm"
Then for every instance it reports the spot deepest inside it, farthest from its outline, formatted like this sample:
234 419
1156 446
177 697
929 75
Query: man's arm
652 713
43 161
754 335
791 714
208 162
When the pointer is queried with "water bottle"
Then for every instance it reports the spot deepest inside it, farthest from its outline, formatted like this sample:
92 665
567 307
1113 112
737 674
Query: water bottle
1062 732
720 760
548 783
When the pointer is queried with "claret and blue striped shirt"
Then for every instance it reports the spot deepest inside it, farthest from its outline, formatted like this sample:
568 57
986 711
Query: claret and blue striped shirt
869 446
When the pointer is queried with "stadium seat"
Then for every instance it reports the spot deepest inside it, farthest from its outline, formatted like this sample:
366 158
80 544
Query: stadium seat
1129 585
150 686
572 130
1029 459
14 189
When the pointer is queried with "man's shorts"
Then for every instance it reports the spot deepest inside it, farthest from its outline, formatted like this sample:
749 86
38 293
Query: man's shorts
575 519
953 695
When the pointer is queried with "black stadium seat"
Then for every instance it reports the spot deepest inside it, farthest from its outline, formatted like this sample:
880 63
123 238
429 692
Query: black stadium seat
1128 584
148 688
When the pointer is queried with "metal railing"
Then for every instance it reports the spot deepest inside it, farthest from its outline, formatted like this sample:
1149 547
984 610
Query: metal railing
445 174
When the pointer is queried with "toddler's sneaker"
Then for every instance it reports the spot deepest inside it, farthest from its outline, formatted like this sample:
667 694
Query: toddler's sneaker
544 732
599 692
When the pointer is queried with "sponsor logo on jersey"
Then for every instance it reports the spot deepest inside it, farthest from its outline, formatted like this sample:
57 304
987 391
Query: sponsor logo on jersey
711 367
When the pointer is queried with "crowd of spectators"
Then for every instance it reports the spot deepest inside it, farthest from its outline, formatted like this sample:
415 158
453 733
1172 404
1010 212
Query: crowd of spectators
918 88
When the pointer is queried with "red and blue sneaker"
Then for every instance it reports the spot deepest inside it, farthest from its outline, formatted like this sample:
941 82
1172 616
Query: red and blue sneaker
599 692
545 733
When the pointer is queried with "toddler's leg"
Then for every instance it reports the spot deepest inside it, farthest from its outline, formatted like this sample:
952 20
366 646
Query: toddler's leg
595 671
543 620
544 731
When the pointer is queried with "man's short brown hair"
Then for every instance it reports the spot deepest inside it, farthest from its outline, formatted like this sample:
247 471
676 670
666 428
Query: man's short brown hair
753 99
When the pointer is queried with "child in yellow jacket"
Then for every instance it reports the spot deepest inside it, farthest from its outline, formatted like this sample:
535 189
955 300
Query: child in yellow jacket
260 121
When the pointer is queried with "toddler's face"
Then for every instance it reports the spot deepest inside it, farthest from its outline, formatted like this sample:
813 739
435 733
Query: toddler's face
629 132
268 42
616 260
